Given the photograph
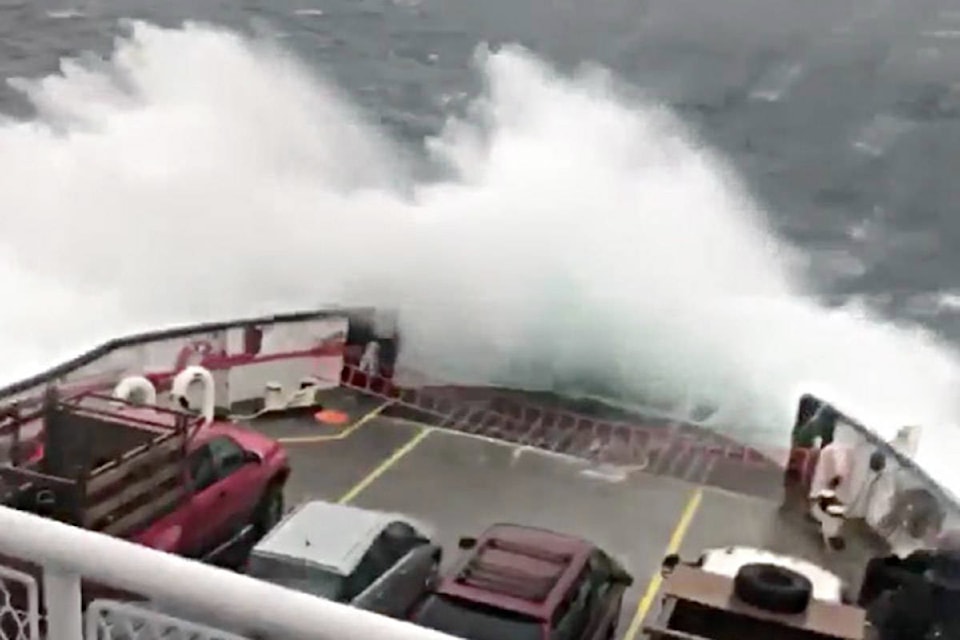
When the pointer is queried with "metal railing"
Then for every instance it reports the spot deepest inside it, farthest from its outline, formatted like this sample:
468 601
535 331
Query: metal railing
19 605
68 554
115 620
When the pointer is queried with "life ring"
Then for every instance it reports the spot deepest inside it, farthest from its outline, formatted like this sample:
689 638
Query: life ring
181 386
136 390
773 588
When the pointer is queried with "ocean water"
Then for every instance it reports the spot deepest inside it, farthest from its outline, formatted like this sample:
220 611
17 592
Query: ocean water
727 204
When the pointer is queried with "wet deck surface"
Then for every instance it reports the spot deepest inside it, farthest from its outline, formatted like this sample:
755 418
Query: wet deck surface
460 483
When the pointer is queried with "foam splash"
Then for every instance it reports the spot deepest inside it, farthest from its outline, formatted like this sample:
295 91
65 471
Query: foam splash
587 243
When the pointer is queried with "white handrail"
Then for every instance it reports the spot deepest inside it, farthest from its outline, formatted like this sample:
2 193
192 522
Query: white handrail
247 603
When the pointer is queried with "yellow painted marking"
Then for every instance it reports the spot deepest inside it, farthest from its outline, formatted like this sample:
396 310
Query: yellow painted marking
340 435
371 477
676 539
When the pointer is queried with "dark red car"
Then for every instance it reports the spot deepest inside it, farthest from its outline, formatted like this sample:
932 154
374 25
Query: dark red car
522 583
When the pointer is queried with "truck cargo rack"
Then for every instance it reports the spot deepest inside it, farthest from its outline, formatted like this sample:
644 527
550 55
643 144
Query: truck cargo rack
95 461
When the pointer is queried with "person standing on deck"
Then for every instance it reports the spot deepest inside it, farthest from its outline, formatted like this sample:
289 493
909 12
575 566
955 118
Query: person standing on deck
829 511
827 488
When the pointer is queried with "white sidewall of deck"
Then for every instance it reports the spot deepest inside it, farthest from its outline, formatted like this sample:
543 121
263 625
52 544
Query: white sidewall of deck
283 357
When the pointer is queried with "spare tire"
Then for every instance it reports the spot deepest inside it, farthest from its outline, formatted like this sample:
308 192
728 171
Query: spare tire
773 588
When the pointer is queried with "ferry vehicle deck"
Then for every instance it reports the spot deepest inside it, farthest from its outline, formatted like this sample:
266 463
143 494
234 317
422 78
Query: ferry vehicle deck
677 500
461 458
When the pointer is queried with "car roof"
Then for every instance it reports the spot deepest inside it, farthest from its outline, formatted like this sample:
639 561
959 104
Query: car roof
521 569
328 535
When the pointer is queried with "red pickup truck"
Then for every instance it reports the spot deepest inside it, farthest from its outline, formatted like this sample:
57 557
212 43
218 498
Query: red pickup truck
157 476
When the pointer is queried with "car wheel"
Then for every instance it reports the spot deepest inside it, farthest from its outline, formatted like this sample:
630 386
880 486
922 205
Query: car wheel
270 510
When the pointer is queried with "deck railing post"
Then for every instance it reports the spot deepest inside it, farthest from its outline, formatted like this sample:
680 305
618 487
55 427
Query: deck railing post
61 597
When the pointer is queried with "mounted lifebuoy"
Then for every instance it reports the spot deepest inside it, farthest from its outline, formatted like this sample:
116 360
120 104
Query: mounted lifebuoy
181 387
136 390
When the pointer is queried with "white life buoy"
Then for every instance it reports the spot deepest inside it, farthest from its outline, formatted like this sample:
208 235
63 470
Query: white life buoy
136 390
181 386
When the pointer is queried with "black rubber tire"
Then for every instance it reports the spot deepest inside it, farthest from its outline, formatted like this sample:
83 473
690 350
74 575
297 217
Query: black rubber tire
773 588
270 510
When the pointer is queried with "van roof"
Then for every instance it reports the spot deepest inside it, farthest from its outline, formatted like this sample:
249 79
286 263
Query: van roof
331 536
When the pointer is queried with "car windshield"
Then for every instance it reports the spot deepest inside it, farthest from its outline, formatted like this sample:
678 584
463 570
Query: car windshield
293 574
475 622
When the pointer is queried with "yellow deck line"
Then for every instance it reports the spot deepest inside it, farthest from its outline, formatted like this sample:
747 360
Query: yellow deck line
653 586
340 435
371 477
676 539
